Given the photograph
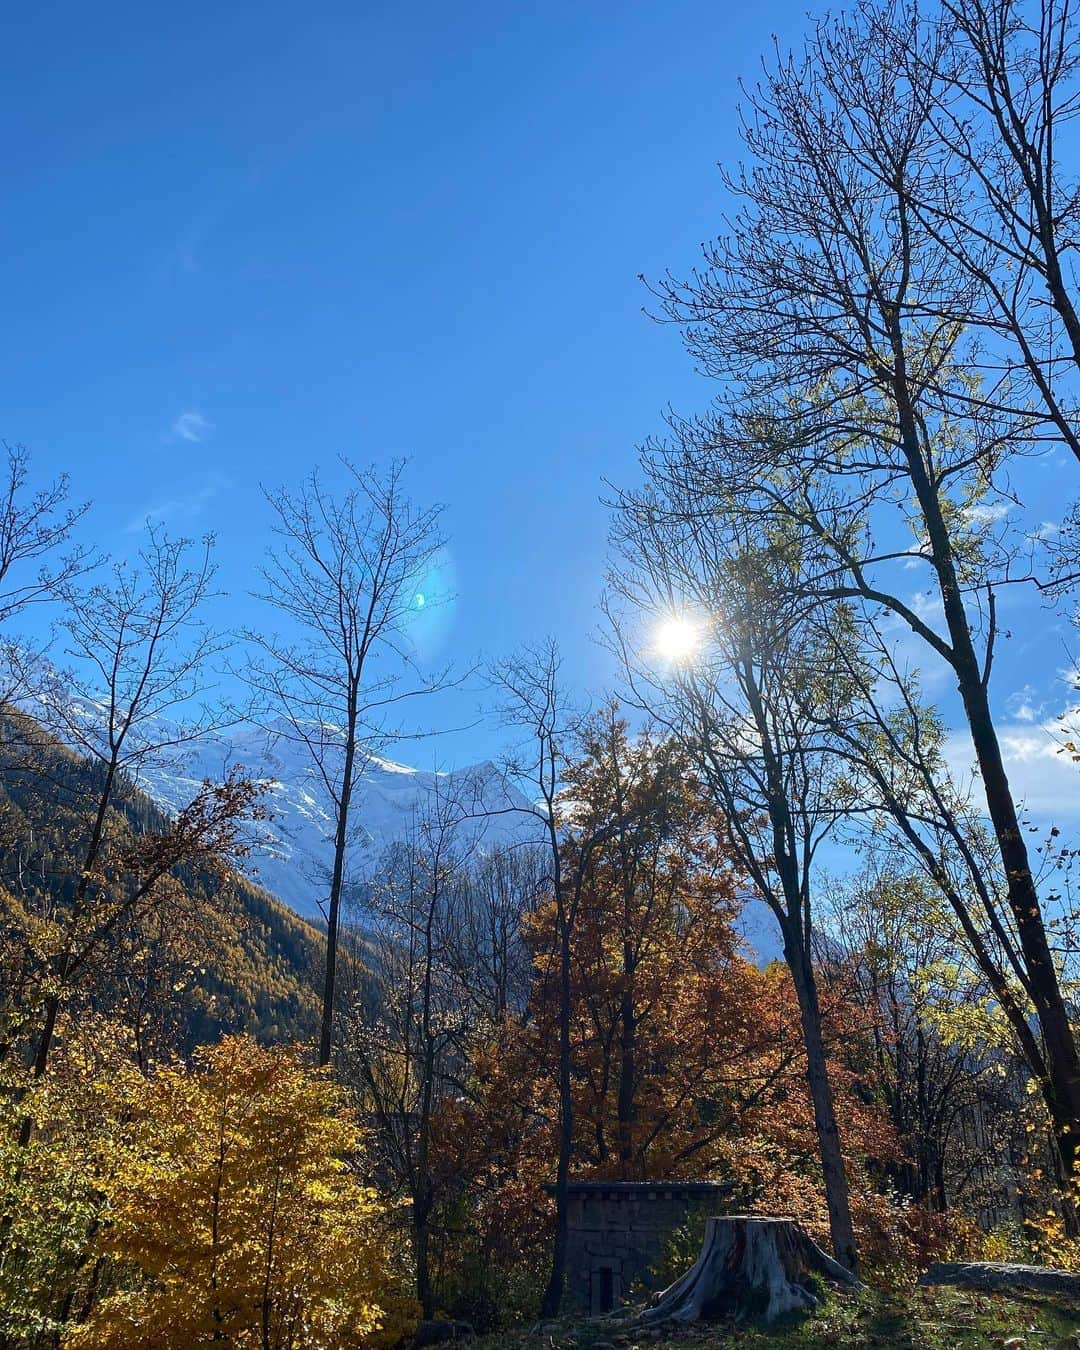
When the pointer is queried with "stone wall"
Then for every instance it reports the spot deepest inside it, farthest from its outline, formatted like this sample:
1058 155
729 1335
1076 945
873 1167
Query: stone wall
618 1229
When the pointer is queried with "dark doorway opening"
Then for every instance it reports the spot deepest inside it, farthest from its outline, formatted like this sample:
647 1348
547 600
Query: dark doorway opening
603 1290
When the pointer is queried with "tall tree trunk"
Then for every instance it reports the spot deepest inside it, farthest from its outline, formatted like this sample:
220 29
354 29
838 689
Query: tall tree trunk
1061 1088
421 1224
341 839
423 1198
832 1159
792 910
627 1077
63 968
557 1279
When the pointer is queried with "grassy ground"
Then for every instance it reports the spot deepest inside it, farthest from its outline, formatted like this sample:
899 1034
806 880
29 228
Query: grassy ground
919 1319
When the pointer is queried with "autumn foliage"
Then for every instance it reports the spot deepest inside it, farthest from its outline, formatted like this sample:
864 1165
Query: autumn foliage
687 1057
151 1200
222 1201
234 1211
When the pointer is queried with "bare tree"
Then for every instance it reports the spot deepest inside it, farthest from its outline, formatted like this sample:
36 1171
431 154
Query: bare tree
491 952
405 1039
138 649
346 579
998 81
34 525
857 421
441 964
742 708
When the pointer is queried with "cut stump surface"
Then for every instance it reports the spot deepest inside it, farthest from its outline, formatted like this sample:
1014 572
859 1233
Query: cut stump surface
749 1268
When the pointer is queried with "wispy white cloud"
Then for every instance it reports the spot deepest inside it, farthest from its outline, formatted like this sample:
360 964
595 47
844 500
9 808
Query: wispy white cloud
179 509
927 605
986 513
191 426
1023 706
910 651
183 258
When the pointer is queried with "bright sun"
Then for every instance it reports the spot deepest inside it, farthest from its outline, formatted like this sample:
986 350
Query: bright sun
677 638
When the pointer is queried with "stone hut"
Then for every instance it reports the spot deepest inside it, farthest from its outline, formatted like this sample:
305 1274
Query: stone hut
618 1229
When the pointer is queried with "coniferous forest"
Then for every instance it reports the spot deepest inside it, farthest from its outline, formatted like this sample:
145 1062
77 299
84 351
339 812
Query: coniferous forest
785 903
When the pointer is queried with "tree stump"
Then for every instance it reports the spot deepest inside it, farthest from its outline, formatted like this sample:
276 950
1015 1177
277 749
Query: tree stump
748 1268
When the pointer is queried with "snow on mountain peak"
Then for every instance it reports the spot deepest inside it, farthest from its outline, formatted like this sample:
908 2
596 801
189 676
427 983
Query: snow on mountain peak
293 856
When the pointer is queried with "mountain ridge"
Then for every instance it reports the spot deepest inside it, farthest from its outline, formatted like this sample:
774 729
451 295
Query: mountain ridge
292 854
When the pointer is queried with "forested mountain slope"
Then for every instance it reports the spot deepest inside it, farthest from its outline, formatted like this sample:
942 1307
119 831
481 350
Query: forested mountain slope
225 957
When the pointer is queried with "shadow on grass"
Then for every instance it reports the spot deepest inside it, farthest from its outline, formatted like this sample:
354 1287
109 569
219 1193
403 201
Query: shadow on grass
940 1318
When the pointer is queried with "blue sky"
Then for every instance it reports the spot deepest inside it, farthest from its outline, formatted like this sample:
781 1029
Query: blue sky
240 240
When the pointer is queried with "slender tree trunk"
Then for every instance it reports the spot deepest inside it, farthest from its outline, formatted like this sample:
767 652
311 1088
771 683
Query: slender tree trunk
52 1004
91 1290
627 1078
1061 1085
789 907
267 1302
557 1279
215 1215
48 1031
421 1224
1060 297
341 839
423 1198
940 1188
1061 1089
832 1159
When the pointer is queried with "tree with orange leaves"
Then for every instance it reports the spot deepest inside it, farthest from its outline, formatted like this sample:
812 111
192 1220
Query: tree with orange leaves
661 996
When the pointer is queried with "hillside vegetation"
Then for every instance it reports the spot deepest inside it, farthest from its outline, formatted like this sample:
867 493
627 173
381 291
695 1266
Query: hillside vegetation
227 957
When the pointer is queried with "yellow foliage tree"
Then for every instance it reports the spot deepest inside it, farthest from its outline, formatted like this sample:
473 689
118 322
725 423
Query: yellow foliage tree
235 1216
50 1186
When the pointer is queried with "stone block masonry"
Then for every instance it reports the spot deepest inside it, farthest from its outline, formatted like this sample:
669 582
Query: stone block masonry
619 1229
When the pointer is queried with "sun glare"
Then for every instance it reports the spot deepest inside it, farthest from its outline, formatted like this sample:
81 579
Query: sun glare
678 639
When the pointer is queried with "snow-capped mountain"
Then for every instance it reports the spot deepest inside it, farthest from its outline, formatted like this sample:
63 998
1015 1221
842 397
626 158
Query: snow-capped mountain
294 856
294 851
